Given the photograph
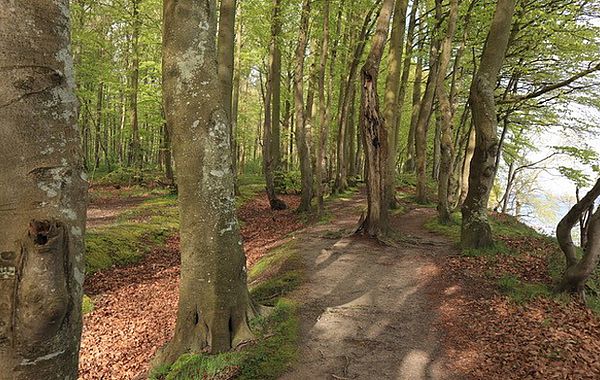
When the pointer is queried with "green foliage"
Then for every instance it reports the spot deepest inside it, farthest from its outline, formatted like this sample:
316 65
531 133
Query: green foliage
287 182
87 305
521 292
125 176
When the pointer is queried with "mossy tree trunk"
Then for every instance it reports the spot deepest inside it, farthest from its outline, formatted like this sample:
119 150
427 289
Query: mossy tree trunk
476 231
323 111
42 195
214 303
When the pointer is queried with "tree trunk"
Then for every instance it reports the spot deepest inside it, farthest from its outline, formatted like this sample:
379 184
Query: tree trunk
275 75
226 45
410 165
301 130
323 109
43 195
578 271
423 120
214 304
341 180
136 149
391 99
447 115
476 231
274 202
374 133
98 137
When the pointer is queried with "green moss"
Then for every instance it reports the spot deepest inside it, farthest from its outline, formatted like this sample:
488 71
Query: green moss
275 259
273 288
249 186
269 357
135 233
521 292
87 305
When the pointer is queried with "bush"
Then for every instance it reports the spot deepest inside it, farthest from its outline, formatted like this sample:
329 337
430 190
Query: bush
288 182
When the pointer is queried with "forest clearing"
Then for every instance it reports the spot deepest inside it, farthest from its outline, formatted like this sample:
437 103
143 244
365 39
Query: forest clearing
299 189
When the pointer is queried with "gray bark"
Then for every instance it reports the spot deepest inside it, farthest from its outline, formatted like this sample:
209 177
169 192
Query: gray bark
42 195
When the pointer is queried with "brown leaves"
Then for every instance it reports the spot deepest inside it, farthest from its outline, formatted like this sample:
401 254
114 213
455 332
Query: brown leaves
491 337
135 307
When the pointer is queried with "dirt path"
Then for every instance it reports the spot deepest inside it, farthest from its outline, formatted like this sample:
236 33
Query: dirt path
369 311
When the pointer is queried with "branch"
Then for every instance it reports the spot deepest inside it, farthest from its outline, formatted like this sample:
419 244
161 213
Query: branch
552 87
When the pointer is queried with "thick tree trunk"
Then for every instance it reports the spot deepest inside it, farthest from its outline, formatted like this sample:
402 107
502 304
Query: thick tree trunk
42 195
476 231
447 115
374 133
391 99
301 130
214 303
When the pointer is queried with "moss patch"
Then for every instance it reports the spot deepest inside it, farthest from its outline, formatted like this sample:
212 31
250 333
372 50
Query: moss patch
269 357
87 305
275 347
134 234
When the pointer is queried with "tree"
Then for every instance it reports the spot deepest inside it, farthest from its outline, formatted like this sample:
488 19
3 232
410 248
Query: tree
579 270
475 230
374 133
447 114
214 303
43 191
393 99
301 130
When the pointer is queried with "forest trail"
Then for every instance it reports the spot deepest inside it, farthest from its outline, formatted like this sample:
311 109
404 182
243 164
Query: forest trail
369 311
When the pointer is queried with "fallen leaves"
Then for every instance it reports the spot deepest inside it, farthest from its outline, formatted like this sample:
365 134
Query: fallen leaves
135 307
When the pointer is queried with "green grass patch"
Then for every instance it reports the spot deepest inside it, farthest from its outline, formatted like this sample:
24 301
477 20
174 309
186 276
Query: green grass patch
522 292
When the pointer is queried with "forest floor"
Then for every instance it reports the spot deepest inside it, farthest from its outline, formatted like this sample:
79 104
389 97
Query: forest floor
416 309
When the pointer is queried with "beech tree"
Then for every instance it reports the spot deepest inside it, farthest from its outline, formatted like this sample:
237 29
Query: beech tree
475 230
42 195
214 304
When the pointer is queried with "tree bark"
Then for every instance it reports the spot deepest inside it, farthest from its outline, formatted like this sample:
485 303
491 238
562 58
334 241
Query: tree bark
214 305
374 133
43 193
447 115
341 180
476 231
275 75
136 150
578 271
391 99
301 130
323 109
425 112
410 165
